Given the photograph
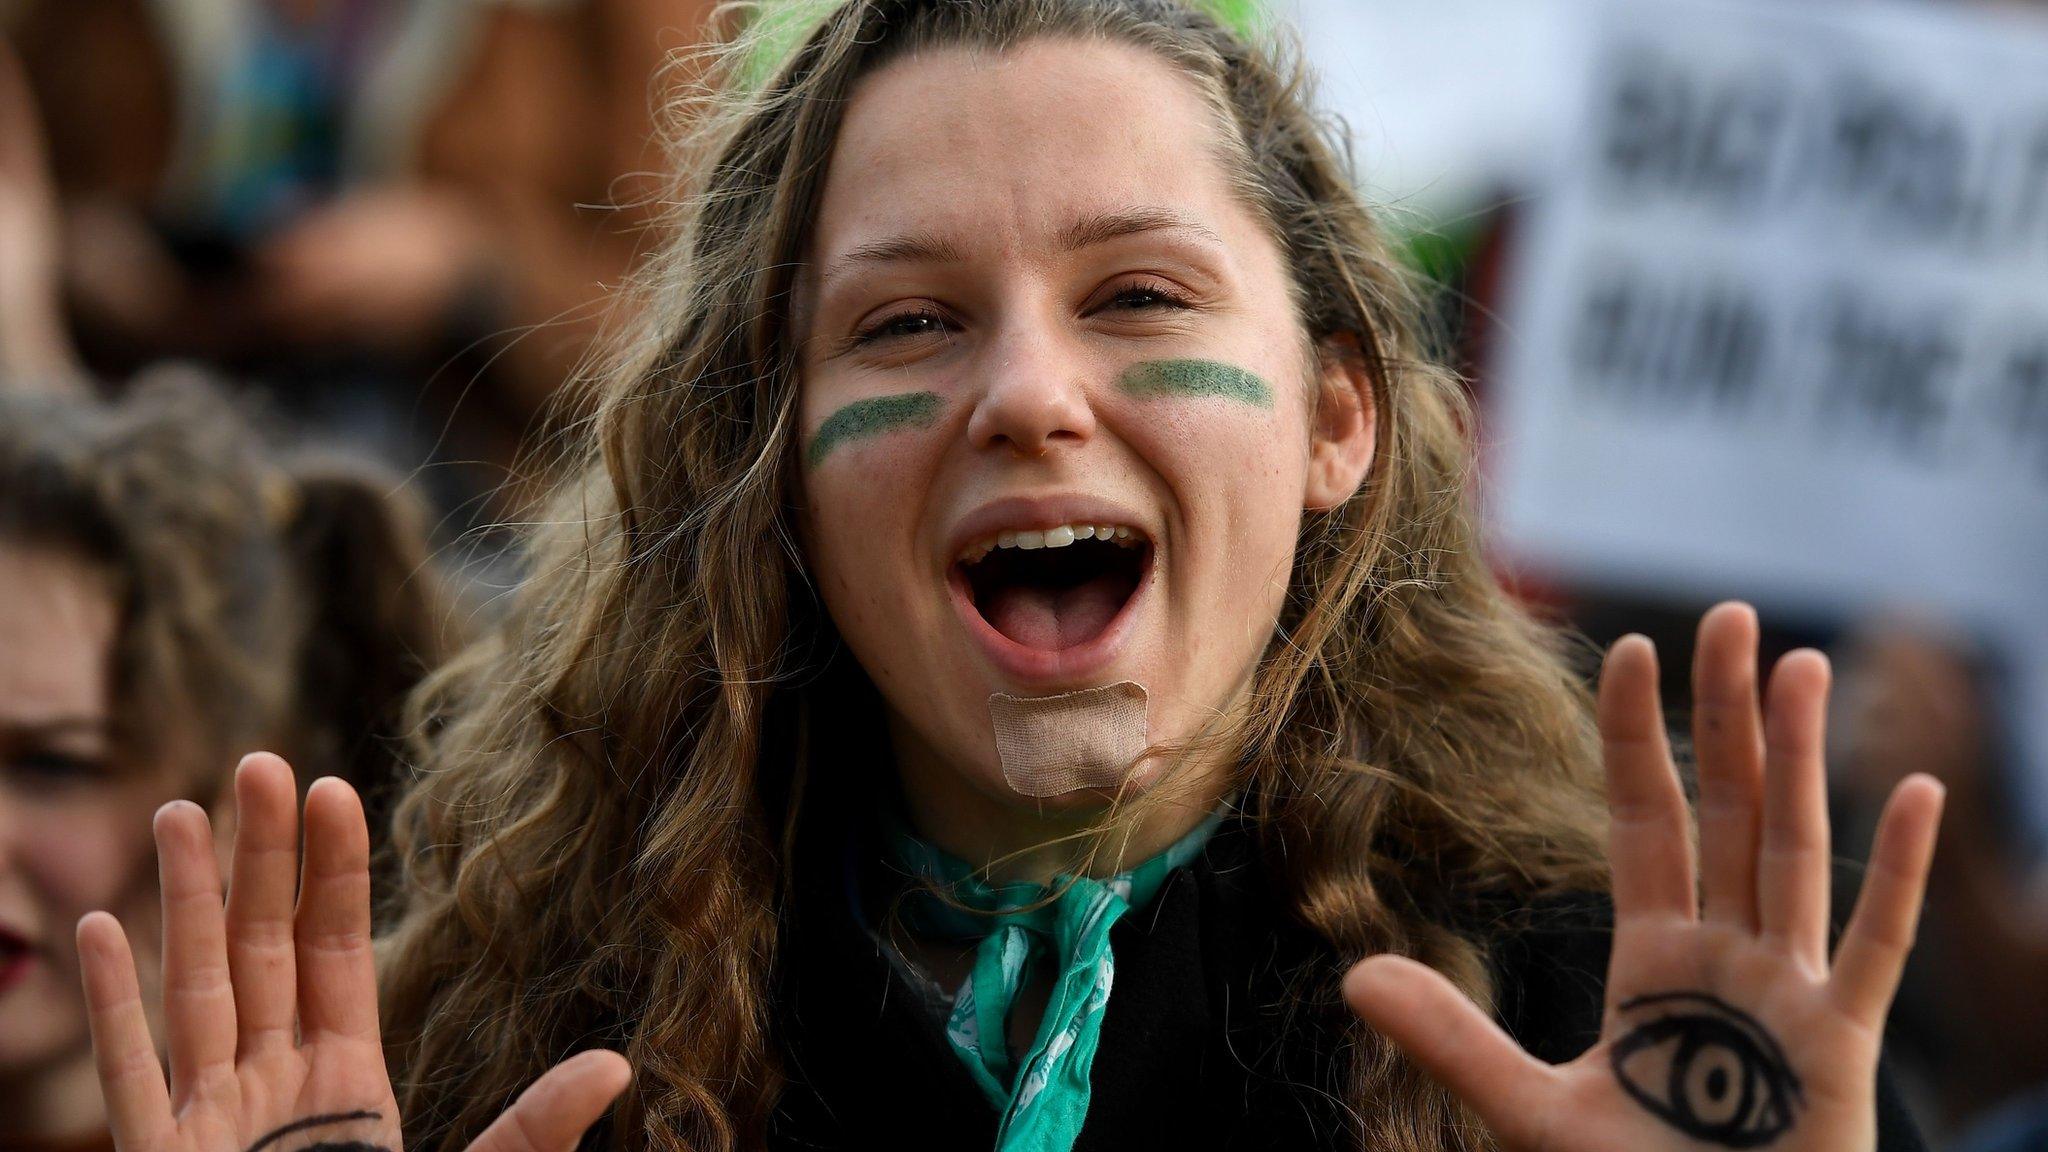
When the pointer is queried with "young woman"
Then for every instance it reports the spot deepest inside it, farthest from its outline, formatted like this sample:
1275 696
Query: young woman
169 590
1014 650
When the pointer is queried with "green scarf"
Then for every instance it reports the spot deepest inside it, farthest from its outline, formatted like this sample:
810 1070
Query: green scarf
1043 1098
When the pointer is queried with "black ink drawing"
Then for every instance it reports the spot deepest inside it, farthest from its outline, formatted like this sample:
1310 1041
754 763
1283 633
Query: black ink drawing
322 1121
1708 1069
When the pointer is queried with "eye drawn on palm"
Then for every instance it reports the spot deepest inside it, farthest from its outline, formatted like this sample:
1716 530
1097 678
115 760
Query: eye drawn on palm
270 999
1726 1025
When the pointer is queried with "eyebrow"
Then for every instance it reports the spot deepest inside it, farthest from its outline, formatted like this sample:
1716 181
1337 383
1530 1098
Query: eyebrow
916 248
1088 231
1103 227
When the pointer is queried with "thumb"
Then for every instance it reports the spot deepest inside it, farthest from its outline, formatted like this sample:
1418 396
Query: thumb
555 1110
1443 1031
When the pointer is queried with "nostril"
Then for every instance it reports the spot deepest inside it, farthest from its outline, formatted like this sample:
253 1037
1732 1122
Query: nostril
1019 447
1036 446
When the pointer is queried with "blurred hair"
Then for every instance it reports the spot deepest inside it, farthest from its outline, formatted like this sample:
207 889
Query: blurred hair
266 599
596 841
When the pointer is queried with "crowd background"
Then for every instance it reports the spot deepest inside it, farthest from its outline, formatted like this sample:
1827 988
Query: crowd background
394 228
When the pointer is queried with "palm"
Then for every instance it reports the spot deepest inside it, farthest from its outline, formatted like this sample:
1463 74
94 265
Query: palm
1757 1018
1726 1025
270 1004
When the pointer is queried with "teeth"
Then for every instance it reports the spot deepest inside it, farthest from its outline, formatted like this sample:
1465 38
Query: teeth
1056 537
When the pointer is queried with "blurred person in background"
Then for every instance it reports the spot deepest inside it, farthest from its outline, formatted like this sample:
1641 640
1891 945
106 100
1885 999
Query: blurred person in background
175 593
1973 1011
35 348
341 196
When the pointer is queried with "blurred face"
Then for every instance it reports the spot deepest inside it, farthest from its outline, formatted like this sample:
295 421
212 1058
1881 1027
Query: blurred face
74 827
1060 413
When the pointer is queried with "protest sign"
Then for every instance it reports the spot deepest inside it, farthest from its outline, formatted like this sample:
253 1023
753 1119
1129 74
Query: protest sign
1778 319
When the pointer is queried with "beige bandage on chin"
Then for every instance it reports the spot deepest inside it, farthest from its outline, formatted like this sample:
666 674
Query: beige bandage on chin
1052 745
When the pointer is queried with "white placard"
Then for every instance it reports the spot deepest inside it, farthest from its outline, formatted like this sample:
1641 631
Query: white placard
1778 322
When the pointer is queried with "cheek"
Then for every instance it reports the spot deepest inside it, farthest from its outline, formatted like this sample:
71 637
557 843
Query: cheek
861 533
1227 459
1237 476
87 857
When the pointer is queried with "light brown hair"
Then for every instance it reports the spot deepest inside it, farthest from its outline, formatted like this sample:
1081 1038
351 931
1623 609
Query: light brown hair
599 830
268 598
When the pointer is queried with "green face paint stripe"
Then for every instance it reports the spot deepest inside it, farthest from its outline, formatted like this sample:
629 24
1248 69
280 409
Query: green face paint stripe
864 418
1195 378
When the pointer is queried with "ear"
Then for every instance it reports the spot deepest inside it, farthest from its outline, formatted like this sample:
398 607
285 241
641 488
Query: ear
1345 429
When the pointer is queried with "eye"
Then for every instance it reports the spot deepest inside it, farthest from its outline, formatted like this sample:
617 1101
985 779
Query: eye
1145 296
49 768
1707 1069
902 325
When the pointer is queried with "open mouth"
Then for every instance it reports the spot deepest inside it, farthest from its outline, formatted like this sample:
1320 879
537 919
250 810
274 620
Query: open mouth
1058 588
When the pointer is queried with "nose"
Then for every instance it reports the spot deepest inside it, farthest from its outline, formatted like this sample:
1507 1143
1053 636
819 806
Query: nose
1036 397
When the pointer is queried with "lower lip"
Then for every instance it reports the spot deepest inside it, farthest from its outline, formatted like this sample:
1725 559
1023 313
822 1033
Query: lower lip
1058 668
16 970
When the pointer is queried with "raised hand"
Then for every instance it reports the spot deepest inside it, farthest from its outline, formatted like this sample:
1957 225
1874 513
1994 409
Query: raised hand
270 1009
1725 1023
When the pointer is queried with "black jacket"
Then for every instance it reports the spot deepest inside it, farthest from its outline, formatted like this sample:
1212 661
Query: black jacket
1200 1048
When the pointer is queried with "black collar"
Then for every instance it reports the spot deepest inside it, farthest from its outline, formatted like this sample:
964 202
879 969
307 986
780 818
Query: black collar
1205 1043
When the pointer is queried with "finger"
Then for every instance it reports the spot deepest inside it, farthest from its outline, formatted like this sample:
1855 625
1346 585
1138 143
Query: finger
1728 737
199 1001
553 1113
337 989
1447 1034
1649 845
264 876
1792 865
1873 950
131 1080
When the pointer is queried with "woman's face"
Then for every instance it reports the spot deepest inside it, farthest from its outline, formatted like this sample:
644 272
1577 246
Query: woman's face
1035 316
74 823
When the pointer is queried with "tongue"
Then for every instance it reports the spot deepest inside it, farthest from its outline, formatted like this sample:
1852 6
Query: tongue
1054 618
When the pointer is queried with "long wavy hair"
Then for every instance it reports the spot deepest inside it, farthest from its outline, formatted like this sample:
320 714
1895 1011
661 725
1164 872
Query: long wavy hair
600 823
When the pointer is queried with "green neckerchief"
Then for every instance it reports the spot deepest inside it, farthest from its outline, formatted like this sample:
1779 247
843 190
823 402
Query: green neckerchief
1043 1098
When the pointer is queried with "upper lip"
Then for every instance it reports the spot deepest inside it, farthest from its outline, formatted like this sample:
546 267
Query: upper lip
1037 513
11 938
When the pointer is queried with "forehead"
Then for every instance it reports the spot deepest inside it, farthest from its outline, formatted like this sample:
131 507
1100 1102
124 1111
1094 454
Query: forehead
1009 148
57 624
